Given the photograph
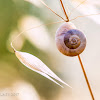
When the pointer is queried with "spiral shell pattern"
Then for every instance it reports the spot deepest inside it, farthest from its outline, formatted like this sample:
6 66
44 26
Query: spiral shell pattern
70 41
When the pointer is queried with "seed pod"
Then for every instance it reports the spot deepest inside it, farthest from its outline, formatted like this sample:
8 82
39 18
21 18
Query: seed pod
38 66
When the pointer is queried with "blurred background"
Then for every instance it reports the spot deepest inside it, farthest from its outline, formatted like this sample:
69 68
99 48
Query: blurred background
20 83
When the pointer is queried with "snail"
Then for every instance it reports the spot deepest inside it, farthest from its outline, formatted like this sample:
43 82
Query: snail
69 40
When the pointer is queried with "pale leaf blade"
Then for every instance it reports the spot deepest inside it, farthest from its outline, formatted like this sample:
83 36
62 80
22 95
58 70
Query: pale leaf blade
30 62
38 64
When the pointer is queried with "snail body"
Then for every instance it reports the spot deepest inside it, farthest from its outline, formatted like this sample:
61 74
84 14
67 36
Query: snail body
69 40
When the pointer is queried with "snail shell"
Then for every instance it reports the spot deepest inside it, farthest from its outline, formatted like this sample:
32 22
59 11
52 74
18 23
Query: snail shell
69 40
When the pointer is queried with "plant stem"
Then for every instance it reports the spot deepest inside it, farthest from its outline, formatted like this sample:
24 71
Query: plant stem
64 11
90 90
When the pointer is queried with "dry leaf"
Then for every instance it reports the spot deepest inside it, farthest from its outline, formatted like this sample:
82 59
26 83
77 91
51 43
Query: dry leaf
38 66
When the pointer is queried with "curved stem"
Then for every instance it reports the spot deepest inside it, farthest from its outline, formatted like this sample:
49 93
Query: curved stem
64 10
30 29
90 90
